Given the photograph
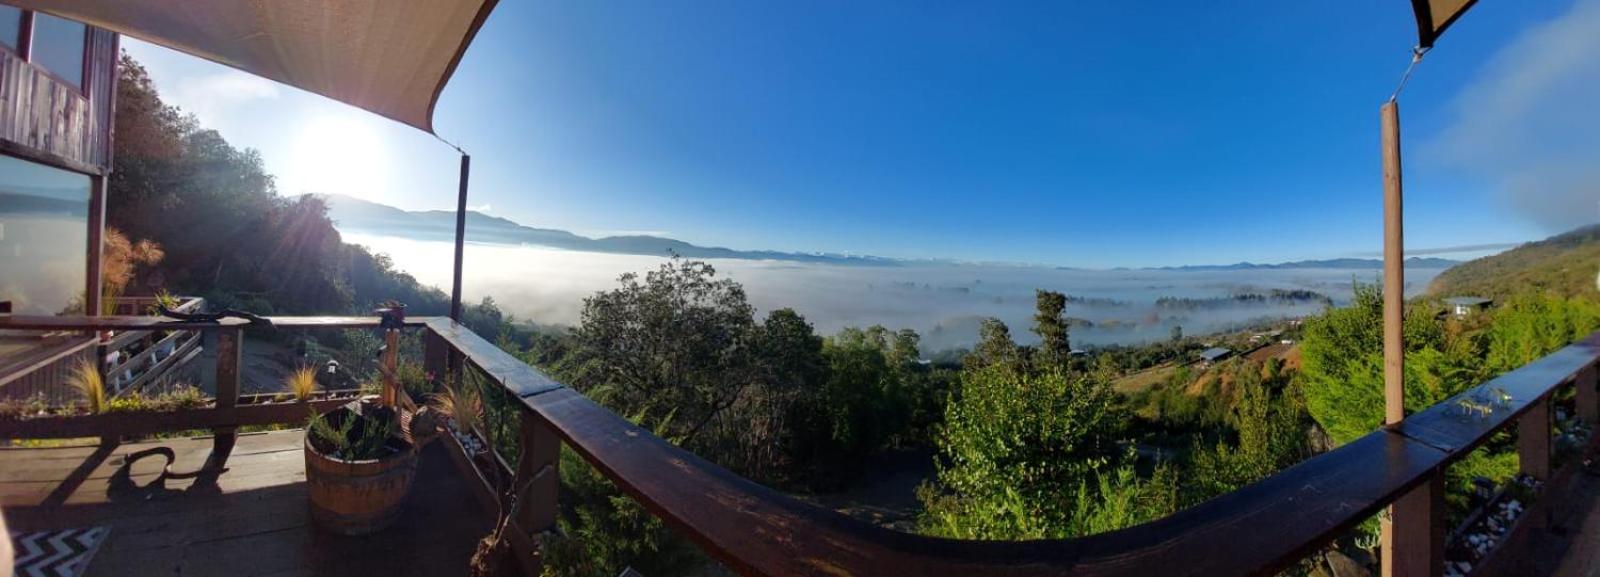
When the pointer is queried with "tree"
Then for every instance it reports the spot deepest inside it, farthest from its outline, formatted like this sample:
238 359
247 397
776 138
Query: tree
1529 326
781 412
1016 445
677 348
227 234
995 346
1270 420
1050 323
1342 352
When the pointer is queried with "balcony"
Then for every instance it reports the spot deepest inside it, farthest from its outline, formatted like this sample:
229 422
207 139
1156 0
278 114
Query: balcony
245 510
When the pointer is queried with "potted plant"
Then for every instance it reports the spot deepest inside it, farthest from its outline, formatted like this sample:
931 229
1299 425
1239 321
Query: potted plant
360 462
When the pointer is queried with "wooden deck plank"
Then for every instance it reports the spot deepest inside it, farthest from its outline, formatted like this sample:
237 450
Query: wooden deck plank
253 521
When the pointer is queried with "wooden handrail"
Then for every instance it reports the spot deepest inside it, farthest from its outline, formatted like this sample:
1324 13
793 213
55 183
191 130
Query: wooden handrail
1257 530
755 530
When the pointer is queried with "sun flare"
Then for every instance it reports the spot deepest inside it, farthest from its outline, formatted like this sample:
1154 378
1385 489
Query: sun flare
341 154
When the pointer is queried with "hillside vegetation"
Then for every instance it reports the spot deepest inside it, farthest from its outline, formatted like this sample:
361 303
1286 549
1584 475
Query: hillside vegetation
1565 265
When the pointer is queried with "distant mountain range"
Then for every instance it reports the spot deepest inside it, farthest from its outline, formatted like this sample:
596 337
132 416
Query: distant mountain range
352 214
355 215
1334 263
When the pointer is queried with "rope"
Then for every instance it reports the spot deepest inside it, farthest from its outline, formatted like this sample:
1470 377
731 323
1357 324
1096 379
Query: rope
1416 56
450 144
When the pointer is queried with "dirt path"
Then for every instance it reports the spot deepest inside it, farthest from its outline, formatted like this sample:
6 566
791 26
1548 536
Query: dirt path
265 366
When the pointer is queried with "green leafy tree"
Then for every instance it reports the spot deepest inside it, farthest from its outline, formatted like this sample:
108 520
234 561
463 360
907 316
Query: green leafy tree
1529 326
995 346
1342 352
1015 445
677 347
1050 323
1270 422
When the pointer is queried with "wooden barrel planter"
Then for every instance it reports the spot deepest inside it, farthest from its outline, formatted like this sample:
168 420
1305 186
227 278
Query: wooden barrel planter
359 497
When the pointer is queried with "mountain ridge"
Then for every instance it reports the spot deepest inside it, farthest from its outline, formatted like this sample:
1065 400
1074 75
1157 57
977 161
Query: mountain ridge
358 215
1331 263
366 216
1565 264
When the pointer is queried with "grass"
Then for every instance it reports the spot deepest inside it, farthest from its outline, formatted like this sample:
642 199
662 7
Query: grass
462 405
1143 380
86 380
302 382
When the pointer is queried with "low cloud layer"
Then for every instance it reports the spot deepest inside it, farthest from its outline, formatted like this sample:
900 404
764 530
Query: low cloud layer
1529 122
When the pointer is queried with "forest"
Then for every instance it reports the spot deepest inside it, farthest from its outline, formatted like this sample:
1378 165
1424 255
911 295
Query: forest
1032 441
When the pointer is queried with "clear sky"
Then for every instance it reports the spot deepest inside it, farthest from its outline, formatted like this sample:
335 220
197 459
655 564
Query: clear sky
1092 134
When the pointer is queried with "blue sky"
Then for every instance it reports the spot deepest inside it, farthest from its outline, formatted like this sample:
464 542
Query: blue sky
1081 134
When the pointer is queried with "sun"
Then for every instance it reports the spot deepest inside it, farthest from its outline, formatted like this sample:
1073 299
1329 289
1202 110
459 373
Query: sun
339 154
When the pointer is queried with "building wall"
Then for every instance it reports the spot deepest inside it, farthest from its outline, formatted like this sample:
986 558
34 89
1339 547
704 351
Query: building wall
45 119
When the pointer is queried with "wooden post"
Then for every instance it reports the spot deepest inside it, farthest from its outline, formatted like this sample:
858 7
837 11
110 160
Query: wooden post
230 358
1533 440
1413 535
537 505
1533 451
435 358
1394 275
92 290
391 365
1586 397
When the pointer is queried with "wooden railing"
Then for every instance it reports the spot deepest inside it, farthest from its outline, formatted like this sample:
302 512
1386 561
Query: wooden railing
159 353
228 409
1257 530
127 360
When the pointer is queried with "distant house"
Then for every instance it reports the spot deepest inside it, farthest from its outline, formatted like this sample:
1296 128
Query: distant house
1214 354
1463 306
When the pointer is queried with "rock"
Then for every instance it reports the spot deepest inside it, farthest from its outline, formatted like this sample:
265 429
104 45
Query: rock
1341 565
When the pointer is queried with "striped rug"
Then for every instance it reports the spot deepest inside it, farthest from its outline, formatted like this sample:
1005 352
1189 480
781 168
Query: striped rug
63 553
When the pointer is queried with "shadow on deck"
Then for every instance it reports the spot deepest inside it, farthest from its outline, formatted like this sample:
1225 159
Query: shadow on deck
253 520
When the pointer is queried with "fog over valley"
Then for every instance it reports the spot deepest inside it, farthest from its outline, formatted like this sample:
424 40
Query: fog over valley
943 302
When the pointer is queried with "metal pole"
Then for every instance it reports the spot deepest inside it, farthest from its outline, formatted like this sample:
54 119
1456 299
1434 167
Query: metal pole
461 237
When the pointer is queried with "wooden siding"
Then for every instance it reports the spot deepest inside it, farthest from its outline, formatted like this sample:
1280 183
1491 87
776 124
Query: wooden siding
51 121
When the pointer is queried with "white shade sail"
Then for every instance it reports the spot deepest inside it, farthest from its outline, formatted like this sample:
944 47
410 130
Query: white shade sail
392 57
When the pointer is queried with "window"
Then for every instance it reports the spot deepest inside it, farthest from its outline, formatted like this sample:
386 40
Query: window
44 236
10 26
58 46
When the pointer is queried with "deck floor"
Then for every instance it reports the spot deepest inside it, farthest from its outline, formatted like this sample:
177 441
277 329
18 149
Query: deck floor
253 520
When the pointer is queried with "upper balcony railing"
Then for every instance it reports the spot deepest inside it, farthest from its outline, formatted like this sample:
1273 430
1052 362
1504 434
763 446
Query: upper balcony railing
1257 530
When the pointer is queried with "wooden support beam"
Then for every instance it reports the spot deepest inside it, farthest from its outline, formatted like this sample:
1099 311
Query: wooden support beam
537 469
435 359
391 366
1413 535
1533 440
1394 275
92 292
1586 397
230 361
1397 555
